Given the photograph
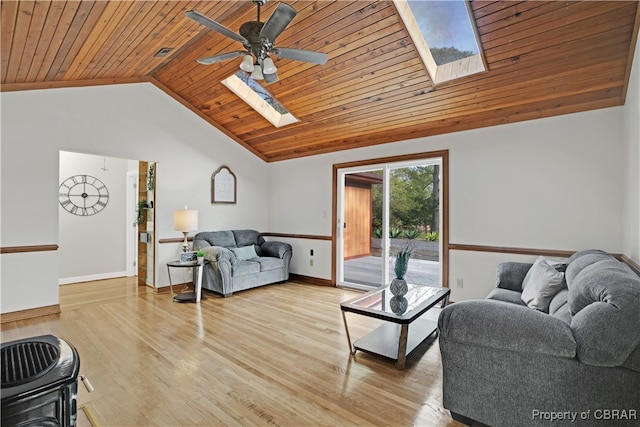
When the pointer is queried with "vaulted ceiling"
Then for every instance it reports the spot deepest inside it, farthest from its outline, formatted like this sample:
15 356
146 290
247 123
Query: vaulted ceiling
544 58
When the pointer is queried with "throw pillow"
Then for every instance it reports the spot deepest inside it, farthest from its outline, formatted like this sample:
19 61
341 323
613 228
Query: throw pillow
540 285
245 252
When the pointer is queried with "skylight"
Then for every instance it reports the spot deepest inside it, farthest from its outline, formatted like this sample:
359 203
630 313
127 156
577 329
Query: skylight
259 98
445 36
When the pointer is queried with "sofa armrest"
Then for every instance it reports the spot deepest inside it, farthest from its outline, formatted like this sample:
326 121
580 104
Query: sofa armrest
508 327
200 244
510 275
219 268
217 254
275 249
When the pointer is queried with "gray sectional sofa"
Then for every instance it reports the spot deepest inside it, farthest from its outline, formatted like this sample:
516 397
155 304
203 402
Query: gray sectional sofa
574 360
241 259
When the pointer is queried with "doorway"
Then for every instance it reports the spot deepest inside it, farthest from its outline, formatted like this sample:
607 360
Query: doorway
97 244
385 205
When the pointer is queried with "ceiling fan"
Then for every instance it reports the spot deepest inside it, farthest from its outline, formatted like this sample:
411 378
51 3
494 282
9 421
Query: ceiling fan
258 39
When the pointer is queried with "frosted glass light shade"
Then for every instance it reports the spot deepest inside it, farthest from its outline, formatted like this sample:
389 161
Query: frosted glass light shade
247 64
268 67
257 73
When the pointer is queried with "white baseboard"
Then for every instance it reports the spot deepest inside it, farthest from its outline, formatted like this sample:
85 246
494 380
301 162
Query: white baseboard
68 280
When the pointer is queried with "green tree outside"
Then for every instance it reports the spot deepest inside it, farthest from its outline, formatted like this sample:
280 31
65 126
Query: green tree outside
444 55
414 203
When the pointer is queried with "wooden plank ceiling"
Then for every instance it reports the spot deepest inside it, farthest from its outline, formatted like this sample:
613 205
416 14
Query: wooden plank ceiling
543 58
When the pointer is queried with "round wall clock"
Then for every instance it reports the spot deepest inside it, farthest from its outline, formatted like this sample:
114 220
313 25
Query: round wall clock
83 195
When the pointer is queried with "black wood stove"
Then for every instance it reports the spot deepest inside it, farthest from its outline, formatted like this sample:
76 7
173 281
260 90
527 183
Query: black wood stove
39 382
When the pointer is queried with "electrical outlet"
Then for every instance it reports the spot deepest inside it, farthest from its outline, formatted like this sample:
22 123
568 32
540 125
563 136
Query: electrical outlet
459 282
311 252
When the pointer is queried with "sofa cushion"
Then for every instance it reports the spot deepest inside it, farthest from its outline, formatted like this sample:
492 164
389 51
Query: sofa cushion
506 295
244 253
217 238
604 300
595 282
509 275
559 301
540 284
582 259
270 263
242 268
247 237
492 324
563 314
558 306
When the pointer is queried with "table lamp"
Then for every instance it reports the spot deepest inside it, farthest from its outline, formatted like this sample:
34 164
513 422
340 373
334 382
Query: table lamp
185 221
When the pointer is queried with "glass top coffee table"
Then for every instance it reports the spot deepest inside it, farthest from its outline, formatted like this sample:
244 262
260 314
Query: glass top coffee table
394 339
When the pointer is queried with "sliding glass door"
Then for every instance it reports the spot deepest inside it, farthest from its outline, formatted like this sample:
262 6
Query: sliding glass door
361 249
381 209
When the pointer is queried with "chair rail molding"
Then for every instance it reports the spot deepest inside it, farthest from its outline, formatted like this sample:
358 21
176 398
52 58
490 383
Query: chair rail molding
33 248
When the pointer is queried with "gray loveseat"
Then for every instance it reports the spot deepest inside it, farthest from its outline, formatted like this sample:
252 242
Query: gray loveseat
578 363
241 259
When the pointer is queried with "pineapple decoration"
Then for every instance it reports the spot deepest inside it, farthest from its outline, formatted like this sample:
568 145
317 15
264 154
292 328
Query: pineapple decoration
398 285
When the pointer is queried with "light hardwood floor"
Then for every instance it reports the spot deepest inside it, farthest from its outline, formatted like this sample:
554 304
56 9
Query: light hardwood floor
275 355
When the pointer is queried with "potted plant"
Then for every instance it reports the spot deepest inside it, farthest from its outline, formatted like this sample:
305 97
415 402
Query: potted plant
398 284
142 205
150 177
200 255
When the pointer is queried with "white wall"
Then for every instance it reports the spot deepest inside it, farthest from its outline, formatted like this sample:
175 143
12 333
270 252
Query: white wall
93 247
556 183
553 183
136 121
631 247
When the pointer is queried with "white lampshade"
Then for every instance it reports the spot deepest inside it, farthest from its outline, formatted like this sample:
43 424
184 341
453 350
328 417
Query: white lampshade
257 73
268 67
247 64
185 220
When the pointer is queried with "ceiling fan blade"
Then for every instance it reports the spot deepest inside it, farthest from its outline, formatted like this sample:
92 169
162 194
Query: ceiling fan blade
277 22
221 57
270 78
301 55
213 25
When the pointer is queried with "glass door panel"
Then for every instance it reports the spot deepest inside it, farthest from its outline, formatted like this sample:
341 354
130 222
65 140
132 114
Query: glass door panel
414 212
362 255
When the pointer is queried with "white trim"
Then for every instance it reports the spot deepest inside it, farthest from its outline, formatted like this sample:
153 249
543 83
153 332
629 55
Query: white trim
68 280
131 231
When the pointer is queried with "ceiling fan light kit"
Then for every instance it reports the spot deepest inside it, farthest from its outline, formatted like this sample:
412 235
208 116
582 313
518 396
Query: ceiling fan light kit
258 39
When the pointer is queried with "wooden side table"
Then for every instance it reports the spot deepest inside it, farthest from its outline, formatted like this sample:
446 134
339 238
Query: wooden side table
197 281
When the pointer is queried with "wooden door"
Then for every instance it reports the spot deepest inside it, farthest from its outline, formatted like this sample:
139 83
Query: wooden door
357 231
